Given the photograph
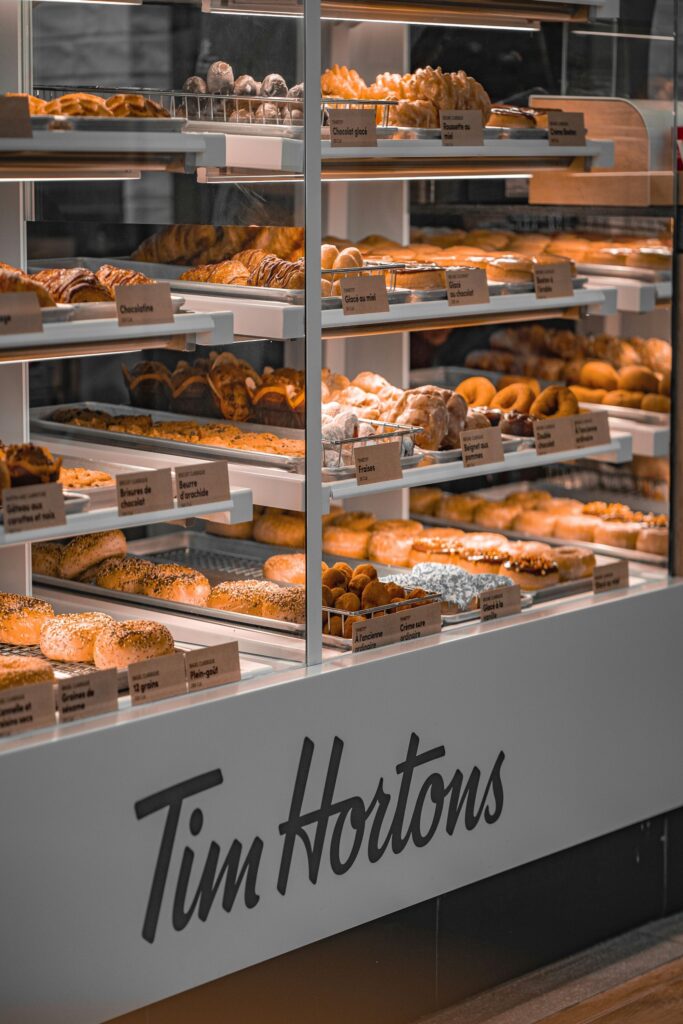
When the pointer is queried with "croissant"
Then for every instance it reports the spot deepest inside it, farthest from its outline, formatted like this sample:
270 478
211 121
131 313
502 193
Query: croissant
72 285
273 272
251 258
178 243
36 106
12 280
79 104
280 241
111 277
229 272
342 82
135 105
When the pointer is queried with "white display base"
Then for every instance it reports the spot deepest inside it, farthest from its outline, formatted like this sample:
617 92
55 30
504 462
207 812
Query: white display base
559 725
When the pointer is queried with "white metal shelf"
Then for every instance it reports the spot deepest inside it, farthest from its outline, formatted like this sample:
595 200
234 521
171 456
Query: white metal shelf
92 337
633 296
646 438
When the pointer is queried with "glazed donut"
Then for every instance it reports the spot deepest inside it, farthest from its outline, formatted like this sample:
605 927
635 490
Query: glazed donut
120 644
18 671
527 499
83 552
410 526
555 401
424 500
574 563
531 571
355 520
536 522
593 396
496 514
476 390
285 568
656 403
514 398
22 618
616 534
598 374
638 378
346 542
653 539
507 379
45 558
576 527
72 637
176 583
627 399
391 547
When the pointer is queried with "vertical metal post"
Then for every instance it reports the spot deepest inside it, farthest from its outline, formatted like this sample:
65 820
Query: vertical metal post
313 343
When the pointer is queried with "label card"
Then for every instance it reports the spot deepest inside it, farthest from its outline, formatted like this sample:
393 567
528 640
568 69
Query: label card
198 485
462 128
149 490
26 707
157 678
353 126
481 447
33 507
85 696
143 304
413 623
565 129
15 118
500 602
467 286
555 435
364 293
213 666
613 576
591 428
376 463
20 313
368 634
553 280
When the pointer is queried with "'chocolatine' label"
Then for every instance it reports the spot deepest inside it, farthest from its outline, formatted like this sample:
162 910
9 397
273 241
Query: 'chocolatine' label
332 830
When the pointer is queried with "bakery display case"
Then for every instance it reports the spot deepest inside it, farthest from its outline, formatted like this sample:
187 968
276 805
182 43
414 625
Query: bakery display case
376 295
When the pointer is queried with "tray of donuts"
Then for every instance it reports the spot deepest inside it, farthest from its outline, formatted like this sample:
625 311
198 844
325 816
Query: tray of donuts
608 529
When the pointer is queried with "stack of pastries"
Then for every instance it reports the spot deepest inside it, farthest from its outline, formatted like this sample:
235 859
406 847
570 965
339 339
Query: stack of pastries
69 285
418 97
599 369
101 559
85 104
538 513
200 244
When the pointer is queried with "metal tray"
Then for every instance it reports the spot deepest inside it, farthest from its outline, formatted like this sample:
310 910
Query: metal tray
107 310
41 421
277 131
292 296
67 122
451 376
645 274
60 313
510 444
656 419
74 501
602 551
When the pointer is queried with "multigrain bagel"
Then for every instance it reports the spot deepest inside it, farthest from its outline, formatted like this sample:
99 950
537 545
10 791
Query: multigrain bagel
555 401
19 671
21 618
121 644
72 637
476 390
514 398
598 374
82 553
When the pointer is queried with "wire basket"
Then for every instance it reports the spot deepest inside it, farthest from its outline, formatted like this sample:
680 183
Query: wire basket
338 622
338 453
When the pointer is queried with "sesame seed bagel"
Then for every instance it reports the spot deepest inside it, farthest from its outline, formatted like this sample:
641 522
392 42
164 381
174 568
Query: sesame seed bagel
18 671
121 644
72 637
83 552
21 618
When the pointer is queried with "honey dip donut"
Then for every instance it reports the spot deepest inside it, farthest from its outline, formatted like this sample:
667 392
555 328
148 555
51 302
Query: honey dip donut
656 403
627 399
555 401
476 390
514 398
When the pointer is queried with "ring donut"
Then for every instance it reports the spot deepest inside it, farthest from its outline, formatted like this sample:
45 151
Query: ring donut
476 390
514 398
555 401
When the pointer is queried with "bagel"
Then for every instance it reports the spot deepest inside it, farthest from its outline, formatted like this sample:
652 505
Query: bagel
476 390
555 401
507 379
598 374
83 552
514 398
638 378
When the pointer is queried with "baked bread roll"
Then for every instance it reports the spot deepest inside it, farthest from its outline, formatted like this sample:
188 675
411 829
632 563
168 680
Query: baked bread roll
285 568
82 553
175 583
72 637
117 573
21 619
120 644
19 671
283 529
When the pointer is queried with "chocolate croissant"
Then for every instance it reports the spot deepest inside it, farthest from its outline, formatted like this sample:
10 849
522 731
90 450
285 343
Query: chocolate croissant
111 277
12 280
72 285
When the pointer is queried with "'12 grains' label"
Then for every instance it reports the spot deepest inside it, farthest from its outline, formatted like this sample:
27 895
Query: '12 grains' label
353 126
377 463
157 678
34 507
146 491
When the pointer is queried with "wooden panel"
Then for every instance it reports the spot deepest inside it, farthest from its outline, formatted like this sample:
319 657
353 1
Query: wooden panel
653 998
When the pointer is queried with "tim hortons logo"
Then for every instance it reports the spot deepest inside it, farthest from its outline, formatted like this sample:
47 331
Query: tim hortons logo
337 831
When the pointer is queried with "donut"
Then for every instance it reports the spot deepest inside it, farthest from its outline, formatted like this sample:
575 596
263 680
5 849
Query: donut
496 514
517 424
527 499
616 534
574 563
531 571
124 574
83 552
555 401
285 568
593 396
391 547
509 378
476 390
399 525
638 378
598 374
345 541
626 399
424 500
534 521
657 354
16 670
355 520
22 618
45 558
120 644
175 583
375 595
284 529
656 403
514 398
441 533
72 637
561 506
458 507
653 539
576 527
